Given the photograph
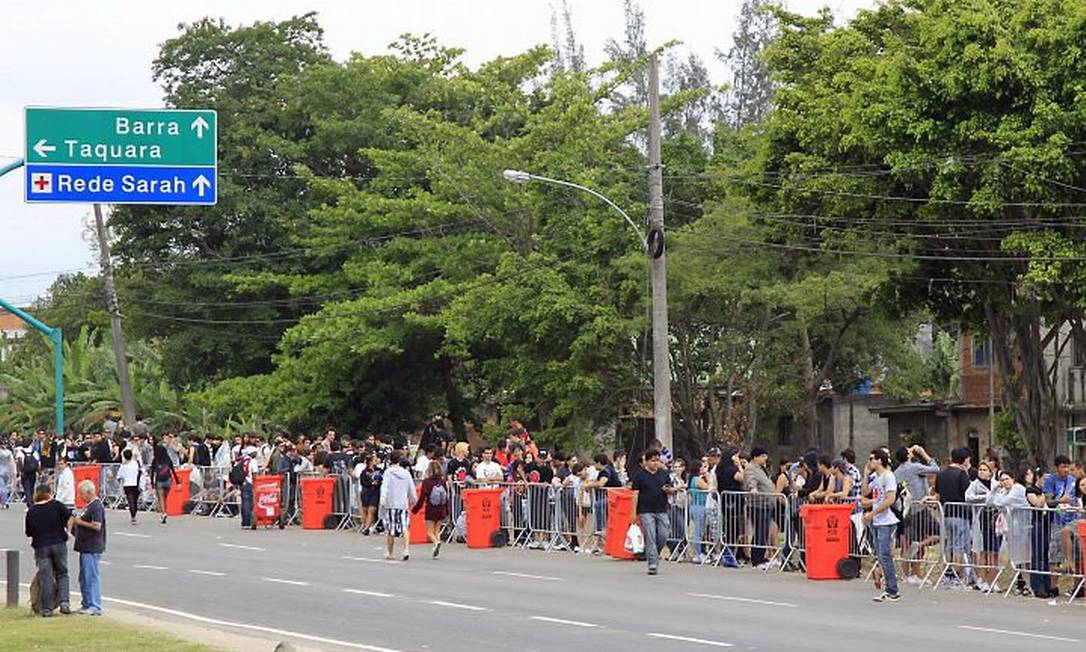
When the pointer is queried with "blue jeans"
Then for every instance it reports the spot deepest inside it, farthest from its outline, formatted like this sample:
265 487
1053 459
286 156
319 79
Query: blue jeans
655 527
884 552
697 517
90 584
246 504
4 484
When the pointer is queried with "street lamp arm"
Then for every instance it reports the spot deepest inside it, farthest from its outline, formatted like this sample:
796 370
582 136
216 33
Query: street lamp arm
518 176
14 165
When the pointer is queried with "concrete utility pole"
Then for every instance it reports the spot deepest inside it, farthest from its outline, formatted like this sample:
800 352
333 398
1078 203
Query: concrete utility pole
661 364
128 401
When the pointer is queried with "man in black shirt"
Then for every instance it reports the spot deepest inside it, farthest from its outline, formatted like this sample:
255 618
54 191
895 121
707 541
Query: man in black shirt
653 485
950 486
47 526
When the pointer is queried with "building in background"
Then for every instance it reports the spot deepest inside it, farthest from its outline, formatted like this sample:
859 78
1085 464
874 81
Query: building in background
12 329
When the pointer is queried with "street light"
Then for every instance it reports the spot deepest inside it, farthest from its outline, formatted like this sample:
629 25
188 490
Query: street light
654 248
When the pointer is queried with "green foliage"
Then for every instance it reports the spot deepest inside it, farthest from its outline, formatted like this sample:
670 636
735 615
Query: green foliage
91 390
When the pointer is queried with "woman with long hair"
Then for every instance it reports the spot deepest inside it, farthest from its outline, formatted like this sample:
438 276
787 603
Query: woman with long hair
984 527
434 495
163 473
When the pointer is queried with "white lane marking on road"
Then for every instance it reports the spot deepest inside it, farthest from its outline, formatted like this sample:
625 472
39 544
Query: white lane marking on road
527 576
454 605
150 567
104 562
375 594
1014 633
687 639
280 581
372 561
204 572
241 547
131 534
729 598
560 621
257 628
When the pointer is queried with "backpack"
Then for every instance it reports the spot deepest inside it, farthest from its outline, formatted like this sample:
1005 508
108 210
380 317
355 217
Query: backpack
237 473
30 463
438 495
903 502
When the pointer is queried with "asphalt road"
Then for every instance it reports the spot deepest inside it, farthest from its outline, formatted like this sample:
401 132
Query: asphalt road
333 590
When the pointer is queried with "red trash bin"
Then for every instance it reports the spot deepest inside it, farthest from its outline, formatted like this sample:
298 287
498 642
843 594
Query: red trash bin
179 494
267 499
316 501
826 531
484 509
620 514
92 472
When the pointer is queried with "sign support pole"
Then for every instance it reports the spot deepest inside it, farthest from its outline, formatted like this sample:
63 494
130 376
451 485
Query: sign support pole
128 401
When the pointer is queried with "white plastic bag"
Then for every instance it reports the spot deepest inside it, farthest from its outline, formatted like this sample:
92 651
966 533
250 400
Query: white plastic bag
635 541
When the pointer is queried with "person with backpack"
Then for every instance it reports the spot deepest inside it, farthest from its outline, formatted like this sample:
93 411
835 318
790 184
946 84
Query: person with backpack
919 527
241 476
28 472
883 492
163 473
434 495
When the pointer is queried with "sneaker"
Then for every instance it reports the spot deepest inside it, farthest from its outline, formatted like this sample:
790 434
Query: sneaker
762 566
406 556
365 532
132 521
535 545
437 550
652 570
981 586
576 550
388 556
698 560
47 614
65 609
912 580
886 597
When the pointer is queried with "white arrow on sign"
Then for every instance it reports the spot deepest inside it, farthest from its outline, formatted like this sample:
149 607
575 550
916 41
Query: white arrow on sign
42 147
201 184
198 125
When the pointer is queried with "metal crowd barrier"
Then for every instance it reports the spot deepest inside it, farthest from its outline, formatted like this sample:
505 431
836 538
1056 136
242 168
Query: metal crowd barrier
1038 538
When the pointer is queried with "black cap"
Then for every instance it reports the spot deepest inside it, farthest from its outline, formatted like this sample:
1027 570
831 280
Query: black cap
757 451
713 451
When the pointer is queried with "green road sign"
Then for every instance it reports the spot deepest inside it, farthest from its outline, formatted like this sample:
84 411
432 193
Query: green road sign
165 137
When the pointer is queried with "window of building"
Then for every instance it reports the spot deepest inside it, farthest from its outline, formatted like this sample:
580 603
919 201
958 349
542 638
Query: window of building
982 352
784 430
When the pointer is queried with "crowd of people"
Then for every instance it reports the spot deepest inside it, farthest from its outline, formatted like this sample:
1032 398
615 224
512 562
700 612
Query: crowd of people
727 506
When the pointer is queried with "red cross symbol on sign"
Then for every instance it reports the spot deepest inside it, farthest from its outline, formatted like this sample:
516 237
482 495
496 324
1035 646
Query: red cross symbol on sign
42 182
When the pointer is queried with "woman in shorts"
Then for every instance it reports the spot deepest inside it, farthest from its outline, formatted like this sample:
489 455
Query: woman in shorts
434 496
163 474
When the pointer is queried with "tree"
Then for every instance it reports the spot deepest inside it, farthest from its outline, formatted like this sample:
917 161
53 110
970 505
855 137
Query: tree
568 52
629 49
450 287
179 263
750 96
940 134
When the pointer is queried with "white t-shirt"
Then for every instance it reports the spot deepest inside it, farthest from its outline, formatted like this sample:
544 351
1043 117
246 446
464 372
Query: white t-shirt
66 487
128 474
883 484
489 472
422 464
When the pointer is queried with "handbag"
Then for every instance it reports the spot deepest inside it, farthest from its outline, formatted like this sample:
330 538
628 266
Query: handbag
635 541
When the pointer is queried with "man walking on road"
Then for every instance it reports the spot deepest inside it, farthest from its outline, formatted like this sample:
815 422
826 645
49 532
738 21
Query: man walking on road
883 492
397 496
90 543
653 485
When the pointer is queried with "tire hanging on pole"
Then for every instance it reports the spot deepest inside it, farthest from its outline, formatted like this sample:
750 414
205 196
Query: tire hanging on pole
655 242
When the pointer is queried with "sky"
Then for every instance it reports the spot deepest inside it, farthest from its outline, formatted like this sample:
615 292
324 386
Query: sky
71 53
